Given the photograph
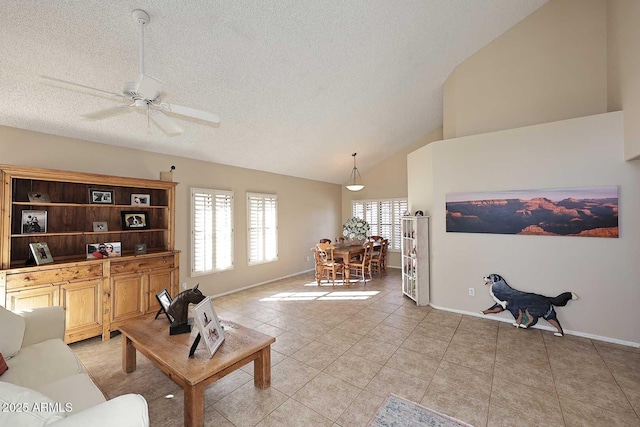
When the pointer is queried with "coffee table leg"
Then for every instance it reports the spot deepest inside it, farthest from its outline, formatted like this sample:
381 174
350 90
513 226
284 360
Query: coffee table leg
128 355
262 368
194 405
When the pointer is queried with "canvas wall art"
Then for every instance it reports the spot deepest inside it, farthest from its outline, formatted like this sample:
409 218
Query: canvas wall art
582 211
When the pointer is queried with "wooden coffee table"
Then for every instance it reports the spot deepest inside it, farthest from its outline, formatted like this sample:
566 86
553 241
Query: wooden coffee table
171 354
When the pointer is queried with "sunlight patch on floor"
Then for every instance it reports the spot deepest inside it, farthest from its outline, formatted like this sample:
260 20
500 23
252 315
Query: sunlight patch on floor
321 296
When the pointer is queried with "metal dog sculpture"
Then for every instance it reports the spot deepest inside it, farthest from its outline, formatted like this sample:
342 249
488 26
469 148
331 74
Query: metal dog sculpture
179 307
526 307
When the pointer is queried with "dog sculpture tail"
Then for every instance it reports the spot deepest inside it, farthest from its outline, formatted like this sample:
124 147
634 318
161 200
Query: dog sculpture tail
562 299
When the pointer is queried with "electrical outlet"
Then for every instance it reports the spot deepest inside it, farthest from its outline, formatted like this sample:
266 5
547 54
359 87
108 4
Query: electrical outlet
308 258
183 286
472 292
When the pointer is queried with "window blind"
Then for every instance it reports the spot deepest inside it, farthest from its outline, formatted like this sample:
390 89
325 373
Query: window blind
262 231
212 231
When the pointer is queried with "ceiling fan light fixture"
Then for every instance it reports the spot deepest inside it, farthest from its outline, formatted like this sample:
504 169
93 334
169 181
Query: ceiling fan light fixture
355 180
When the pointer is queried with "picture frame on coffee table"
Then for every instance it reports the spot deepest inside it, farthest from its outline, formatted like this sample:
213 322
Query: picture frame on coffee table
208 324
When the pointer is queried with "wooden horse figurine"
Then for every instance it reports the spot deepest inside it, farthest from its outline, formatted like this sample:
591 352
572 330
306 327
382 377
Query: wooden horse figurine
179 308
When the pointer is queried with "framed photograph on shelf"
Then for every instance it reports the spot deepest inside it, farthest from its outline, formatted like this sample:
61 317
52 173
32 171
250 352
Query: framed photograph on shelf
101 197
164 299
34 222
140 200
100 226
38 197
104 250
135 220
41 253
140 248
208 325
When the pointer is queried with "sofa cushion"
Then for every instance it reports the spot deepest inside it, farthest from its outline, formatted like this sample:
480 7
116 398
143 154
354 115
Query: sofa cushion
42 363
11 333
26 407
77 389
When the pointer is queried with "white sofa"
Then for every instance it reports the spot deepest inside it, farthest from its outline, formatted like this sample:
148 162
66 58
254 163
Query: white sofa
46 384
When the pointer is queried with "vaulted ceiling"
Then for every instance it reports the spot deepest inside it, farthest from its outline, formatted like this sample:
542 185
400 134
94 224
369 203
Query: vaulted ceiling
299 85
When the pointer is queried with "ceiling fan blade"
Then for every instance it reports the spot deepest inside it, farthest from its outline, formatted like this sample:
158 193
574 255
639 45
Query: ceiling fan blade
69 85
149 88
164 122
103 114
191 112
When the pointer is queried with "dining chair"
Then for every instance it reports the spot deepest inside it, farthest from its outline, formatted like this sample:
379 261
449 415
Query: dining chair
378 258
340 239
376 238
325 240
328 264
363 266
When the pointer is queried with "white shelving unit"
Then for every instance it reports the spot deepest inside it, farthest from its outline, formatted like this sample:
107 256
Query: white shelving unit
415 258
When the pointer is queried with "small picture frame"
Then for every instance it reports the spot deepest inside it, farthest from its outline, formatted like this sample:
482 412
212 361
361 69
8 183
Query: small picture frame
140 200
208 325
101 197
104 250
35 197
34 222
99 226
41 253
135 220
164 299
140 248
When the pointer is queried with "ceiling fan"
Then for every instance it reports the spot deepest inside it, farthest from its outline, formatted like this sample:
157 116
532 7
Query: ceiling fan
144 94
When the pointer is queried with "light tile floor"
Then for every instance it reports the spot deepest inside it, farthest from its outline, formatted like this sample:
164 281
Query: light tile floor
339 351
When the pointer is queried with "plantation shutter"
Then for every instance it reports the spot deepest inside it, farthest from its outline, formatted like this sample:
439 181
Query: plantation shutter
371 216
262 228
383 216
399 208
224 231
386 219
212 230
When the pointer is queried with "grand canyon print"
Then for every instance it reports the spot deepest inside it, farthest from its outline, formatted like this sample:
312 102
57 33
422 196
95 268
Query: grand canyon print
587 212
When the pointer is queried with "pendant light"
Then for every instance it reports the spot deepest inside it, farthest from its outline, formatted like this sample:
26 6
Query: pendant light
355 180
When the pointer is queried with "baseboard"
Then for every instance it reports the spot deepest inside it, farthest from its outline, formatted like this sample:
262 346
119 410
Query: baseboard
543 327
261 283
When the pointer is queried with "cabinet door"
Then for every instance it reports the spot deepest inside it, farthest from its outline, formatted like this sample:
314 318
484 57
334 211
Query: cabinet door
45 296
83 309
127 297
158 280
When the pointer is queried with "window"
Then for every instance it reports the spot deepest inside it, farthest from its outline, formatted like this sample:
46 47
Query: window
262 223
383 216
211 231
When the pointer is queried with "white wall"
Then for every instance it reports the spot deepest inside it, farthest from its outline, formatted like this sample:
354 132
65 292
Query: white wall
550 66
623 72
581 152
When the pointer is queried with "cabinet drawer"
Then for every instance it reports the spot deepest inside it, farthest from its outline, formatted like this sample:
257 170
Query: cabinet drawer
142 265
60 274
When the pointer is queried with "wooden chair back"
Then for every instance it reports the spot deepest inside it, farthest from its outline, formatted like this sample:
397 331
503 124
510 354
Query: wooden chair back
376 238
325 240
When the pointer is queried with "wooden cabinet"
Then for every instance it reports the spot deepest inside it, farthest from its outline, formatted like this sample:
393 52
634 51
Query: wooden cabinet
82 302
44 296
415 258
126 297
98 294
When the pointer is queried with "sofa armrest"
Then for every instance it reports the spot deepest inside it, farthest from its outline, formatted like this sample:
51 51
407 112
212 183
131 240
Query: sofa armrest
42 324
129 410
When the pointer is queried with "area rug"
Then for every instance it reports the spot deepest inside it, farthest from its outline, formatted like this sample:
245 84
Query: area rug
396 411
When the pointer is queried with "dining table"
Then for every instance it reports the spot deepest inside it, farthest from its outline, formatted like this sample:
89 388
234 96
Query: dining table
347 252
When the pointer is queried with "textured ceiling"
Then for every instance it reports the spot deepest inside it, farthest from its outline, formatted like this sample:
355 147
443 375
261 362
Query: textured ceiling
299 84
